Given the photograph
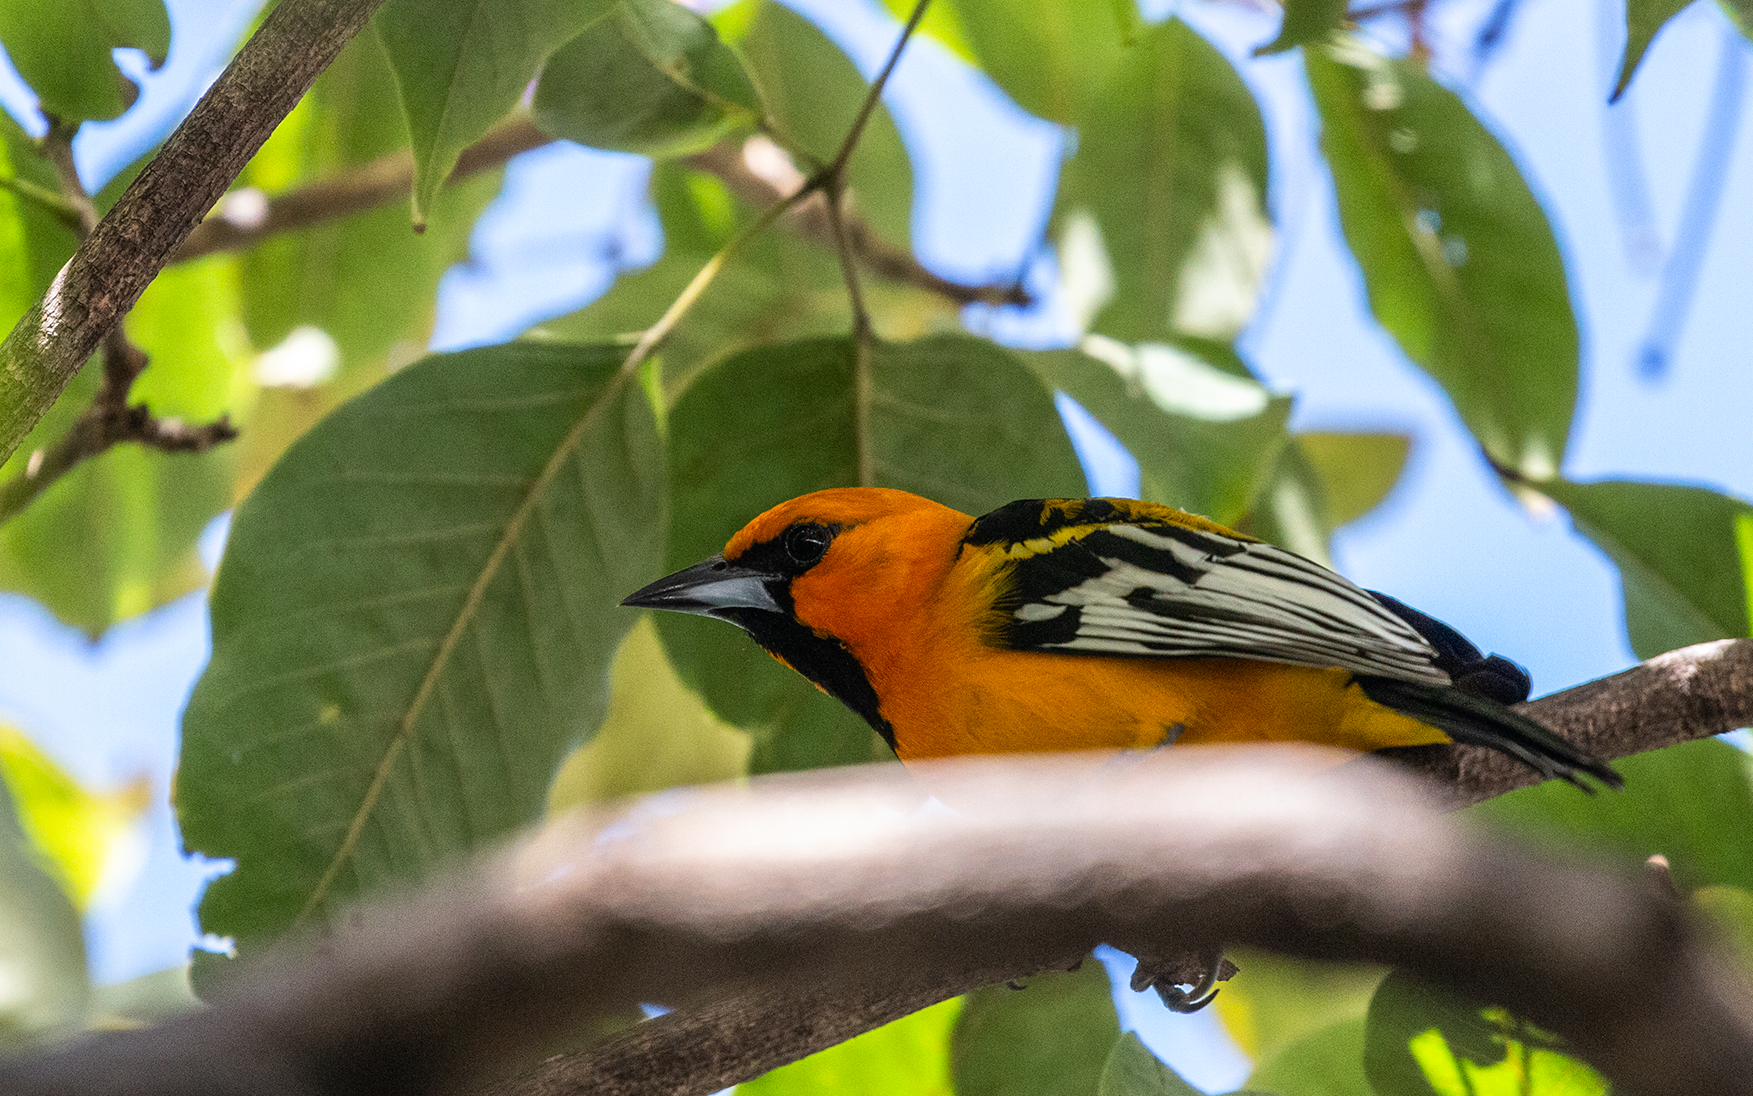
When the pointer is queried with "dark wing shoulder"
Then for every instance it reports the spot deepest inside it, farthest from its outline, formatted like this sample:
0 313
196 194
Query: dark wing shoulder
1110 576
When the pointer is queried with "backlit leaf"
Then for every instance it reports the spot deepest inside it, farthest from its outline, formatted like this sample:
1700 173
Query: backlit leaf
1051 56
907 1057
1457 256
651 78
1171 167
1680 562
43 984
86 838
1274 1001
1356 470
413 623
1052 1037
954 418
461 65
1325 1062
63 50
1305 22
1643 19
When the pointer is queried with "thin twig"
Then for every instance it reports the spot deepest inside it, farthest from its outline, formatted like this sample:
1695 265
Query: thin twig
868 107
57 148
835 196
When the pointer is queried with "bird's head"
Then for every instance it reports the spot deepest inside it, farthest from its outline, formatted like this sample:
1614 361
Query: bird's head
816 559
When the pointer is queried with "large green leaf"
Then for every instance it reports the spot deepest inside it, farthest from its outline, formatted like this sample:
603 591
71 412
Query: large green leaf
1132 1070
1051 56
1211 464
1052 1037
1691 803
413 622
1456 253
1306 22
1274 1001
908 1057
813 92
63 50
652 78
1678 554
1326 1062
462 64
953 417
1643 18
1356 471
1423 1041
43 983
1171 168
117 536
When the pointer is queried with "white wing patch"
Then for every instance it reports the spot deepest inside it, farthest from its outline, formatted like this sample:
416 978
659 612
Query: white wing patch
1172 592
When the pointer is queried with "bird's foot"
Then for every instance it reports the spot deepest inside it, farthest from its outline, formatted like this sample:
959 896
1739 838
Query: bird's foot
1186 982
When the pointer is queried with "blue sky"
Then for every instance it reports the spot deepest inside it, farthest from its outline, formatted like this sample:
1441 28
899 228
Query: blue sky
1449 540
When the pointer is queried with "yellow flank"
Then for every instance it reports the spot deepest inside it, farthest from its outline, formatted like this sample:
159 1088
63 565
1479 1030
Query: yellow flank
945 690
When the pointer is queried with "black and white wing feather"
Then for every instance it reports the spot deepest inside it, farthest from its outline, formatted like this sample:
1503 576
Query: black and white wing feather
1153 581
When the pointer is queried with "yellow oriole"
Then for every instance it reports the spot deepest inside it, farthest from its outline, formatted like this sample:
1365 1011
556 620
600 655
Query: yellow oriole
1065 624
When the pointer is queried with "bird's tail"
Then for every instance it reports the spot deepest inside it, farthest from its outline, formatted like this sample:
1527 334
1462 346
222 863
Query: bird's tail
1478 721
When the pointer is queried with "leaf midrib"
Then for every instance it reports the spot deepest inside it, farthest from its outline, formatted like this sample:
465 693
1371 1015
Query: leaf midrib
466 615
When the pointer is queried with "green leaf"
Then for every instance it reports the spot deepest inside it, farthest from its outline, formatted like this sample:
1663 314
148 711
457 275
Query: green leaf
941 24
34 242
1171 170
117 536
1051 56
1290 509
412 624
1692 803
1050 1038
83 836
1643 19
1132 1070
63 50
1730 911
461 65
813 93
907 1057
653 78
1356 471
1459 261
43 983
143 1001
1678 553
1208 465
1305 22
1422 1041
657 734
1274 1001
954 418
1326 1062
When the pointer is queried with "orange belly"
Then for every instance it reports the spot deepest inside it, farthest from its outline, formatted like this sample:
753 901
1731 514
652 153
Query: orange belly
997 701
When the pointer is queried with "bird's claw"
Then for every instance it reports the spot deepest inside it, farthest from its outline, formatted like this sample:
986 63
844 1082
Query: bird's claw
1187 982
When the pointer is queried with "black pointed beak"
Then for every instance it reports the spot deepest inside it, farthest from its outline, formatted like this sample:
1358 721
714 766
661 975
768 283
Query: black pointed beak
712 588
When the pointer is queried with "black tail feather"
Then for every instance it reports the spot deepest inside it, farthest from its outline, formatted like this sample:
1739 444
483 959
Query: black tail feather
1478 721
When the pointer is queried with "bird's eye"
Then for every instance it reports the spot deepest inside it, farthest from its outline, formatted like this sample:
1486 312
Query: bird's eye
805 543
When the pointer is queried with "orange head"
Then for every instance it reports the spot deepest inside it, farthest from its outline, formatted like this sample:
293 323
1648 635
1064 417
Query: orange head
812 577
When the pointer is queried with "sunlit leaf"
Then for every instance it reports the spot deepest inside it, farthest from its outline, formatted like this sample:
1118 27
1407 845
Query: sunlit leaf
117 536
1325 1062
941 24
1132 1070
1050 1038
1171 167
1210 466
813 92
1423 1041
90 840
1643 19
1692 803
43 984
908 1057
461 65
1051 56
1305 22
651 78
1356 470
1457 256
954 418
657 734
63 52
1274 1001
1678 553
412 624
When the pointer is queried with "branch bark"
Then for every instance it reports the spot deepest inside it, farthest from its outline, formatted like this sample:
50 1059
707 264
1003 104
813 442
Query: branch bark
834 893
113 266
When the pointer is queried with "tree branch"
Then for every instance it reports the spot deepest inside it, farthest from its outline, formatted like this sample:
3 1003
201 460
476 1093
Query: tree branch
113 266
760 907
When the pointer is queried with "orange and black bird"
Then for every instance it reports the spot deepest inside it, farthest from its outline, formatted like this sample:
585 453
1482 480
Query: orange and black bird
1066 624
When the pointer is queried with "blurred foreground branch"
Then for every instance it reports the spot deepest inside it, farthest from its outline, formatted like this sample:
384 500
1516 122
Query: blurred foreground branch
770 909
125 251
